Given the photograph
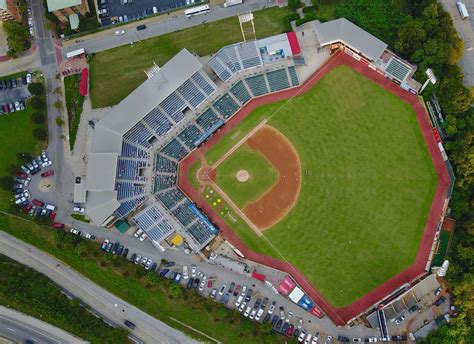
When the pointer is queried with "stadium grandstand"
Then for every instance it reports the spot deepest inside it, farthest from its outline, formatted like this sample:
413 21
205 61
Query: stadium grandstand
137 146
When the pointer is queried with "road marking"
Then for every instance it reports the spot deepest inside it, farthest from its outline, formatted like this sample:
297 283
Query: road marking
10 329
470 49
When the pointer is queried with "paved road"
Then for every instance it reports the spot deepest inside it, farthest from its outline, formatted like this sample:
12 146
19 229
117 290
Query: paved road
110 40
466 31
106 304
20 327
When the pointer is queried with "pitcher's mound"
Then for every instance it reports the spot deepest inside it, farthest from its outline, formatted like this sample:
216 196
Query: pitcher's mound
242 176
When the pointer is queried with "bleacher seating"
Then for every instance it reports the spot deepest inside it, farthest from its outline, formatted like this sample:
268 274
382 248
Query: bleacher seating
175 150
293 76
173 106
165 165
257 85
183 214
159 231
226 106
191 93
240 92
170 198
200 232
163 182
278 80
207 119
128 206
132 151
190 134
127 190
249 55
203 83
158 122
139 134
130 169
147 217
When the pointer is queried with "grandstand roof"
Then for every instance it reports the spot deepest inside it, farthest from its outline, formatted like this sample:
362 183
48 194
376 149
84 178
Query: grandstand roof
275 43
342 30
100 205
101 171
143 99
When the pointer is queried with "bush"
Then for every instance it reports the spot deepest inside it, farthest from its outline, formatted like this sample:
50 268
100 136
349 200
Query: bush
310 9
307 18
38 118
288 19
294 4
40 134
37 103
6 183
24 158
36 88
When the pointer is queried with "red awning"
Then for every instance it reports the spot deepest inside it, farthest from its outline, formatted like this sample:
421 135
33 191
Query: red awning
317 312
294 44
286 286
258 276
83 84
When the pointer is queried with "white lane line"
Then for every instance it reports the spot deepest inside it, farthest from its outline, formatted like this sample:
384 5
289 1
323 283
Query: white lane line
10 329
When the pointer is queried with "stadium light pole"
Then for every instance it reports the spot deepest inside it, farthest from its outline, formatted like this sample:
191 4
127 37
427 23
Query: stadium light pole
431 78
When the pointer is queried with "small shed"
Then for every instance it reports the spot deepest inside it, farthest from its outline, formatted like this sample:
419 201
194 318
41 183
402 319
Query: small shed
122 226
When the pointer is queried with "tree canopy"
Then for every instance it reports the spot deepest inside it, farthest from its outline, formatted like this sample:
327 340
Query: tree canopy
18 37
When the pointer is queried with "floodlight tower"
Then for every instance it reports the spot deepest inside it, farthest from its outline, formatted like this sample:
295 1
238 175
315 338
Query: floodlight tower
249 31
431 78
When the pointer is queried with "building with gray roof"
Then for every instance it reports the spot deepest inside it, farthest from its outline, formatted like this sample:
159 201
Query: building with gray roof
343 31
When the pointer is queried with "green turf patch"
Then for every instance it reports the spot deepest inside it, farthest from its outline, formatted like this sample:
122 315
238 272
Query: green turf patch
74 104
109 87
262 175
193 174
368 183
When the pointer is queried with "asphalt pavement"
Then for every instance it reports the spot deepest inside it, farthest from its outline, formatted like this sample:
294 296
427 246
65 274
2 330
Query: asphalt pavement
465 27
108 40
20 327
107 305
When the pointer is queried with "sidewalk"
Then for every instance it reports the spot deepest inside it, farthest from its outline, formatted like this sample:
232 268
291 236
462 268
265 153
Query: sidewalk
27 62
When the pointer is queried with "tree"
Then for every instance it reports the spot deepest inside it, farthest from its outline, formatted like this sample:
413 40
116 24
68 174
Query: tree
36 88
18 37
7 183
59 121
40 134
24 157
410 38
294 4
37 103
38 118
175 290
58 104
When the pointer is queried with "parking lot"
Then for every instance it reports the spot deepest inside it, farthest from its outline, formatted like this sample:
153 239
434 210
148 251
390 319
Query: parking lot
13 93
123 10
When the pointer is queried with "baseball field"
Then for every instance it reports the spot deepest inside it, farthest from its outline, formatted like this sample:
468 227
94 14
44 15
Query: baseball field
367 182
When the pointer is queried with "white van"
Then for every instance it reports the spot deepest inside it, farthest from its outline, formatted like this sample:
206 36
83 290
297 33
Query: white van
155 10
185 272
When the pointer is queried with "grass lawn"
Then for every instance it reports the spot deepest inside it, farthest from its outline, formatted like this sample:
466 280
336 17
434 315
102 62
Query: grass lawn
16 136
117 72
156 296
262 175
74 103
368 183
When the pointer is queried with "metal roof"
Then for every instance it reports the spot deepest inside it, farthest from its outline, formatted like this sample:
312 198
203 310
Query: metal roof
100 205
342 30
101 171
54 5
74 21
397 69
143 99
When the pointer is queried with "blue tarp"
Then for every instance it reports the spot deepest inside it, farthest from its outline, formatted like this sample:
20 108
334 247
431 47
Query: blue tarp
306 302
203 218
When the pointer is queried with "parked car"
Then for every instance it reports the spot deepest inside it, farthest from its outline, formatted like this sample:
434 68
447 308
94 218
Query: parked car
164 272
242 306
104 244
301 336
248 296
133 257
138 233
47 173
78 209
58 225
109 247
76 232
193 270
438 291
343 339
440 301
137 259
129 324
119 250
153 266
148 264
143 237
170 264
231 288
399 320
213 293
90 236
125 253
222 290
289 331
115 248
272 307
120 32
225 298
237 290
141 27
209 284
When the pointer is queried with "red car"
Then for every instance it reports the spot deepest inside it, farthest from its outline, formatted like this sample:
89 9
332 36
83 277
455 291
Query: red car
52 216
289 332
209 284
22 175
58 225
36 202
47 173
237 290
27 208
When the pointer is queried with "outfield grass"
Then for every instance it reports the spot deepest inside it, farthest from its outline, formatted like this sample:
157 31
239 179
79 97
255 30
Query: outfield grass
368 183
117 72
262 175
